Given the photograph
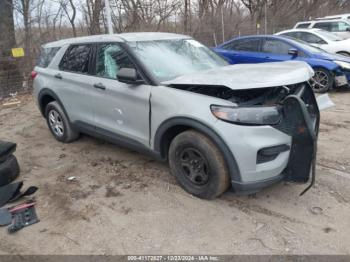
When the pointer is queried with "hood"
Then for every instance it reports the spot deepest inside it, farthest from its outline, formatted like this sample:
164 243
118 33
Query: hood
332 57
249 76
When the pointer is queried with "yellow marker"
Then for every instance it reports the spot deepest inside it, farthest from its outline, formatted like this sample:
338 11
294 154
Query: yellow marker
18 52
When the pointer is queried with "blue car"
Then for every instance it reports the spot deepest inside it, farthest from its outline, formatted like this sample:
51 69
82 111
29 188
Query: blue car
331 70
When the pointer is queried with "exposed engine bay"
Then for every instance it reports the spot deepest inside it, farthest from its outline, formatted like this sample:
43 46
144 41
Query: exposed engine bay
245 97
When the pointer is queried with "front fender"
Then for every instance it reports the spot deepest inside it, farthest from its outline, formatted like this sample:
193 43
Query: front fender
201 127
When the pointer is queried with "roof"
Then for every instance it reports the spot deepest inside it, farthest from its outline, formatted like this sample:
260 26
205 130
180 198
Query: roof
125 37
323 20
340 16
300 30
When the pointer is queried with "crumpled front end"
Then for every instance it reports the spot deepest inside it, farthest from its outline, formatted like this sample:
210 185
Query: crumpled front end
269 146
301 119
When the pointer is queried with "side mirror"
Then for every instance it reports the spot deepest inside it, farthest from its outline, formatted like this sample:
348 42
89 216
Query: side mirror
293 52
129 76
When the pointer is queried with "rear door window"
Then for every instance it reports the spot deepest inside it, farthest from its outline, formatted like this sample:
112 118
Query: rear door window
46 56
110 59
275 46
304 25
323 25
249 45
76 59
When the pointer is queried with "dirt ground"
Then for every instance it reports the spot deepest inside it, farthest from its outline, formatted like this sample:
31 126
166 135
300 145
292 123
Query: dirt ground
123 202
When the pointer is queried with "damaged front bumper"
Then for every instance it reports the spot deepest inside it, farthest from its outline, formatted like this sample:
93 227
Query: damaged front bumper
300 122
341 78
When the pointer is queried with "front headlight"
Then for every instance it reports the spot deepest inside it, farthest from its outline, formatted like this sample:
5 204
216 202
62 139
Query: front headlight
343 65
262 115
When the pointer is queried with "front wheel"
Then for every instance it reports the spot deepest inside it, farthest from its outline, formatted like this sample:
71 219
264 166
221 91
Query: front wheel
198 165
322 81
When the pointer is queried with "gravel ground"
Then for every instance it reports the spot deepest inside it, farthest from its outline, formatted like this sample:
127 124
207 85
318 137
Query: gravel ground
123 202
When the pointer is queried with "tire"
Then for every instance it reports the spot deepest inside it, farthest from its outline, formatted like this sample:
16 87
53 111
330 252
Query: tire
198 165
322 81
58 123
6 149
9 170
344 53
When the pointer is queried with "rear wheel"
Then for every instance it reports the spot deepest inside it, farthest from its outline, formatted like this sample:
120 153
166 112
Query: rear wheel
198 165
58 123
322 81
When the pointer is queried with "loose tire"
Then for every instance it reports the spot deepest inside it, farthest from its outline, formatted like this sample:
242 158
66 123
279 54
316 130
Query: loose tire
322 81
58 123
198 165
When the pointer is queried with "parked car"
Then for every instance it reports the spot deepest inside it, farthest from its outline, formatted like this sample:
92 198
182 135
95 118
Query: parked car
320 38
339 27
218 125
331 70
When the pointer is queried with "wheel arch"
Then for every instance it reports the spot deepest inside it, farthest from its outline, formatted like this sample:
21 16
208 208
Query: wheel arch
343 52
45 97
327 65
170 128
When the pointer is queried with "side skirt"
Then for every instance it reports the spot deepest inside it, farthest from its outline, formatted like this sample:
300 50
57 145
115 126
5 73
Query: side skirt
116 139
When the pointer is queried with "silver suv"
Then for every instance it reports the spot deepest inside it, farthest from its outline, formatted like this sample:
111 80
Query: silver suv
247 126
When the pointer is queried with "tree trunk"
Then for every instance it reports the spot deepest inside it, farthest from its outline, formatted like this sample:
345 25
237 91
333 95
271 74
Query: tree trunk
7 39
95 22
10 76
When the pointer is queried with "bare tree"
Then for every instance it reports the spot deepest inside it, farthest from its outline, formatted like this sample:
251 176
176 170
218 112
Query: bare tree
69 8
92 14
25 8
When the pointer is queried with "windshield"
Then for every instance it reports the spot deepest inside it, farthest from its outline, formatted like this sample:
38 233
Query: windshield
329 36
168 59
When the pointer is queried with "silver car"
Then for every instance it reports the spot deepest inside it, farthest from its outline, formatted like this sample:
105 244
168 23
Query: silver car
218 125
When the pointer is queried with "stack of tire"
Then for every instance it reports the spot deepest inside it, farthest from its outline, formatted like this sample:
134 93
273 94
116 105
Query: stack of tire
9 168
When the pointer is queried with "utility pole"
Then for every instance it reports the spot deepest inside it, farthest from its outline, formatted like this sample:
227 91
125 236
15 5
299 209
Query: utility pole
222 24
265 17
109 18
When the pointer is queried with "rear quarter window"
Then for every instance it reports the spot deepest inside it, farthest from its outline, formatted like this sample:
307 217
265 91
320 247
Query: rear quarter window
46 56
291 35
305 25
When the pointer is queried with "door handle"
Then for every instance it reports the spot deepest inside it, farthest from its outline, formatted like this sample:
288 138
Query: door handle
100 86
58 76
